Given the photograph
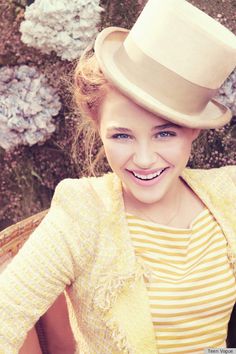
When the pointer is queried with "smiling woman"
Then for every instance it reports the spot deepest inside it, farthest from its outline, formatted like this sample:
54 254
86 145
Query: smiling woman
147 252
148 153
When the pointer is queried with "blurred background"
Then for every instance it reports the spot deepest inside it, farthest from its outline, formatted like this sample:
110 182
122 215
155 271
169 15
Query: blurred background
40 43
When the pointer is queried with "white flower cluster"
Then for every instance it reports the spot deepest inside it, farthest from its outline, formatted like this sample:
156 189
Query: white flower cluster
66 27
227 93
27 105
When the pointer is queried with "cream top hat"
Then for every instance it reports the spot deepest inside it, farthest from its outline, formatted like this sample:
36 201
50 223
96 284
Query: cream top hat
172 62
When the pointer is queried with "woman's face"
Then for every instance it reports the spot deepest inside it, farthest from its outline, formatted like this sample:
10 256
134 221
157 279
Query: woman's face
147 152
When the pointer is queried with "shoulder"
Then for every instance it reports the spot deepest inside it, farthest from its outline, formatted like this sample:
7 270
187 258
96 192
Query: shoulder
83 203
231 172
225 172
88 191
216 186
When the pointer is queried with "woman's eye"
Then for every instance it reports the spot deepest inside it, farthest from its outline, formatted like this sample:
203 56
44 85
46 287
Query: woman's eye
121 136
165 134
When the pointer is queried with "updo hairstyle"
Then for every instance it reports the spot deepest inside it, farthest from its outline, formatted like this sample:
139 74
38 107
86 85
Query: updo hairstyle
90 89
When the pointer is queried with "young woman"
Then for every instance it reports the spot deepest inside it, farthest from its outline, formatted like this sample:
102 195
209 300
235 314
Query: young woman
146 253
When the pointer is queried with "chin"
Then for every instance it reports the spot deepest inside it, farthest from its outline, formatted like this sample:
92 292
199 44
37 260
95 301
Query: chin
144 197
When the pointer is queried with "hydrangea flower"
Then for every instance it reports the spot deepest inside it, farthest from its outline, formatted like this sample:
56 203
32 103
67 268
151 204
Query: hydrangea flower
27 105
66 27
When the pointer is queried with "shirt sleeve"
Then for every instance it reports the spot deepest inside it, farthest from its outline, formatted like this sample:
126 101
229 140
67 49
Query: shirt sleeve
41 270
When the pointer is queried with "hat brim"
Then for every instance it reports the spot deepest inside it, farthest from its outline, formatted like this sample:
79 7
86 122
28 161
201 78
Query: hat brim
108 42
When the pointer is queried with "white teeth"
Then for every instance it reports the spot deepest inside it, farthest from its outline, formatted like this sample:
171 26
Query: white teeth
150 176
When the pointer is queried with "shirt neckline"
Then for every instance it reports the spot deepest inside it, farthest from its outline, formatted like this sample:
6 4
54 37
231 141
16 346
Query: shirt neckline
167 227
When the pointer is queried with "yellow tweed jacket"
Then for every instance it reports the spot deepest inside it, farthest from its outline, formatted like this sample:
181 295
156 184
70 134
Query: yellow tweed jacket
83 246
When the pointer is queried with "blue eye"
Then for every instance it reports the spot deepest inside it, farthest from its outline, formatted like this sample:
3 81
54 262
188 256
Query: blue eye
121 136
165 134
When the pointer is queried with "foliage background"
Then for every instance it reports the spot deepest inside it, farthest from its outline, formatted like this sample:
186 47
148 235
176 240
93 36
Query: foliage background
29 174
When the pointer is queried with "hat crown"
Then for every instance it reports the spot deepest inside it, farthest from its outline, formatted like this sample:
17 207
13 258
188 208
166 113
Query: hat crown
185 40
172 62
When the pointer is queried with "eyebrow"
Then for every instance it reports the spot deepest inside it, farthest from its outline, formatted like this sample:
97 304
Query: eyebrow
119 129
157 127
166 126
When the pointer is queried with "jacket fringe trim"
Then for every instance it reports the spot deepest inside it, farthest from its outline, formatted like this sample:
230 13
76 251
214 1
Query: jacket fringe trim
111 285
119 337
109 288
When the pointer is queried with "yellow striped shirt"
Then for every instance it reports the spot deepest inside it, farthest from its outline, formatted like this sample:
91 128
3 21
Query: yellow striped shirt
192 290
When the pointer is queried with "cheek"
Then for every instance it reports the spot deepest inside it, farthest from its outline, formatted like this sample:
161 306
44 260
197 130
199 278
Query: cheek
182 152
178 152
116 153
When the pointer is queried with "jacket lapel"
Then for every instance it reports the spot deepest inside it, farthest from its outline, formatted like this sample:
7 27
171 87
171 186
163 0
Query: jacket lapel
128 312
218 192
131 320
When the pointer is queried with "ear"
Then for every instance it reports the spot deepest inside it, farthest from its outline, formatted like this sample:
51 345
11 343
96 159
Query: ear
195 133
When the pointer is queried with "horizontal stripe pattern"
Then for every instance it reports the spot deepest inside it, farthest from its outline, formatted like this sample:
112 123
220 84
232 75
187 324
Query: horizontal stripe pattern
192 290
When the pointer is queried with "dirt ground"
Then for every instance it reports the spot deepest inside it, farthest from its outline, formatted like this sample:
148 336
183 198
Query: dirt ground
222 10
13 51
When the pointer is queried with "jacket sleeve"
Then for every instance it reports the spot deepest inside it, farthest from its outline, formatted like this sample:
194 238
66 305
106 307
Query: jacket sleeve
41 270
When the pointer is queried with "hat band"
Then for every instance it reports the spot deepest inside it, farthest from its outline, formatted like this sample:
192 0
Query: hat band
160 82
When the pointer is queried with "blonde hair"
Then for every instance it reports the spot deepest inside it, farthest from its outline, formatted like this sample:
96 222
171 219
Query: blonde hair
90 89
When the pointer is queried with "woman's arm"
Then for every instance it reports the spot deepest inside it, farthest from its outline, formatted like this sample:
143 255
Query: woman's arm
37 275
31 343
56 327
57 330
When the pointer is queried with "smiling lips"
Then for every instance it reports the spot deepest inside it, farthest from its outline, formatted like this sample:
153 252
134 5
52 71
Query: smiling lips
147 175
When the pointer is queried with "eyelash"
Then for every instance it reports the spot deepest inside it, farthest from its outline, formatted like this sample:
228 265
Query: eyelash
166 134
121 136
163 134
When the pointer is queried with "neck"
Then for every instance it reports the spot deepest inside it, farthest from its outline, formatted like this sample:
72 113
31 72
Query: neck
164 211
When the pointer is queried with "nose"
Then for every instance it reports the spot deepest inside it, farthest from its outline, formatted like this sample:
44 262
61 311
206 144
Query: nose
144 156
